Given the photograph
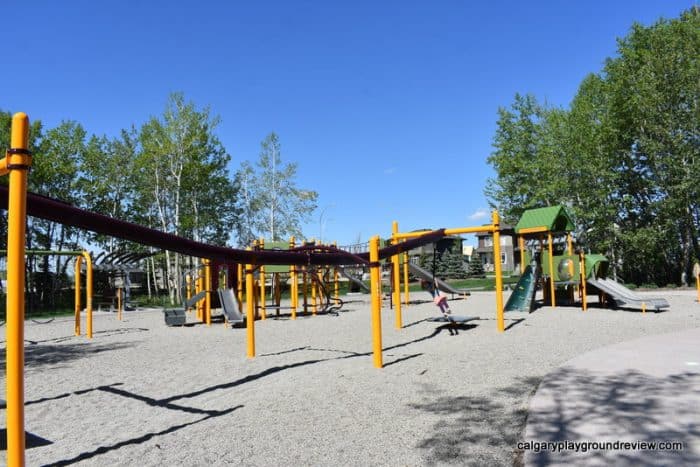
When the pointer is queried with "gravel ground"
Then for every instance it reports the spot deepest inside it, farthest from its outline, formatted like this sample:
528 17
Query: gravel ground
141 393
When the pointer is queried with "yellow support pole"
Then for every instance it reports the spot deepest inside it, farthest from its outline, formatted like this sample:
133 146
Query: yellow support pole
207 288
88 292
376 303
697 285
250 310
396 277
406 294
78 260
119 303
551 270
261 279
188 288
239 284
199 286
521 246
305 286
336 280
17 162
293 290
582 267
314 293
495 220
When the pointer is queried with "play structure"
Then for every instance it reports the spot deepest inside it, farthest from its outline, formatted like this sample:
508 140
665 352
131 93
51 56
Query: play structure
563 276
81 257
311 262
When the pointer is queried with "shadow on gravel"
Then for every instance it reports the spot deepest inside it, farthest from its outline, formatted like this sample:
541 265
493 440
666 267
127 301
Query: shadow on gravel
140 439
30 440
478 431
105 333
163 403
42 355
646 407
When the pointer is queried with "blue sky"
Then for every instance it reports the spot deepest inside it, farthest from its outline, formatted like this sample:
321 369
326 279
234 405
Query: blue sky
389 108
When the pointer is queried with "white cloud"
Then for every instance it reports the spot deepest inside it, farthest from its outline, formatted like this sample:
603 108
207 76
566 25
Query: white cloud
478 214
389 171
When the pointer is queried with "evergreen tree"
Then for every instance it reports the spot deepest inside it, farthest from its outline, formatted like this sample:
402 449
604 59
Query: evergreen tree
475 267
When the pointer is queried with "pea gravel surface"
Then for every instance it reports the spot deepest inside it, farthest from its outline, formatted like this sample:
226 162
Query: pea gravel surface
141 393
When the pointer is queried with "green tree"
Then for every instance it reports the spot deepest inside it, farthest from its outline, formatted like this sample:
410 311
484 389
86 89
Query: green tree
475 267
530 162
655 87
624 158
247 204
453 264
277 205
107 179
182 180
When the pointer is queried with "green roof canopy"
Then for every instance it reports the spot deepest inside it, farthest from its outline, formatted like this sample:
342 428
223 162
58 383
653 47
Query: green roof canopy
550 219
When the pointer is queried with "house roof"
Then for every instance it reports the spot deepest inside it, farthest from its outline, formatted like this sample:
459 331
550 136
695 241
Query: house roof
549 219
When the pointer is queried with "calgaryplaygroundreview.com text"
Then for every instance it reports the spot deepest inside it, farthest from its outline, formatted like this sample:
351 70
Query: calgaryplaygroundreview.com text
586 446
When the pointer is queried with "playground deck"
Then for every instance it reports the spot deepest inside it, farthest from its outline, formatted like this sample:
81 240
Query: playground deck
141 393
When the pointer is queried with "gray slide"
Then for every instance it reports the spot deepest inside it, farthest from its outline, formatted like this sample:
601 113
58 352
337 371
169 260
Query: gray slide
354 280
624 297
229 305
442 285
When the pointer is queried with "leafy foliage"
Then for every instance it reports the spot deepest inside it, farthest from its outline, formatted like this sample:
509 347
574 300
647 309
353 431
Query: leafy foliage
624 158
271 204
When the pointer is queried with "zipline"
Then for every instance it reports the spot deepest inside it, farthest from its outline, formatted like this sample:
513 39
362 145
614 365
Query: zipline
63 213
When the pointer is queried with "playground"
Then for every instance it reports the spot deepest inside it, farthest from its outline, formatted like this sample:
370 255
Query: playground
152 387
142 393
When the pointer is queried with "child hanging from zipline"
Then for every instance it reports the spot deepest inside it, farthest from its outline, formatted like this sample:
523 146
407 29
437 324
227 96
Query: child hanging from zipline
440 301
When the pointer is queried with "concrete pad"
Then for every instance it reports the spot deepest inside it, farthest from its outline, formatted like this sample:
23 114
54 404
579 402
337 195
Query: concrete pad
643 390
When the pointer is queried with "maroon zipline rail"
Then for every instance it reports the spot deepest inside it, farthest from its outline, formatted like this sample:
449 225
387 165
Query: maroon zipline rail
63 213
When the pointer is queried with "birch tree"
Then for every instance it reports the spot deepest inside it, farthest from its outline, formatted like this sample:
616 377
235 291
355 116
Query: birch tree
180 156
283 207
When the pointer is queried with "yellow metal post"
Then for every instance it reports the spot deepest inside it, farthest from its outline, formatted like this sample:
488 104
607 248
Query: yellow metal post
78 260
250 309
119 303
305 287
88 292
188 288
495 220
17 162
396 277
376 304
551 270
697 285
336 280
521 246
199 286
406 295
314 286
293 291
263 293
207 288
582 267
239 285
